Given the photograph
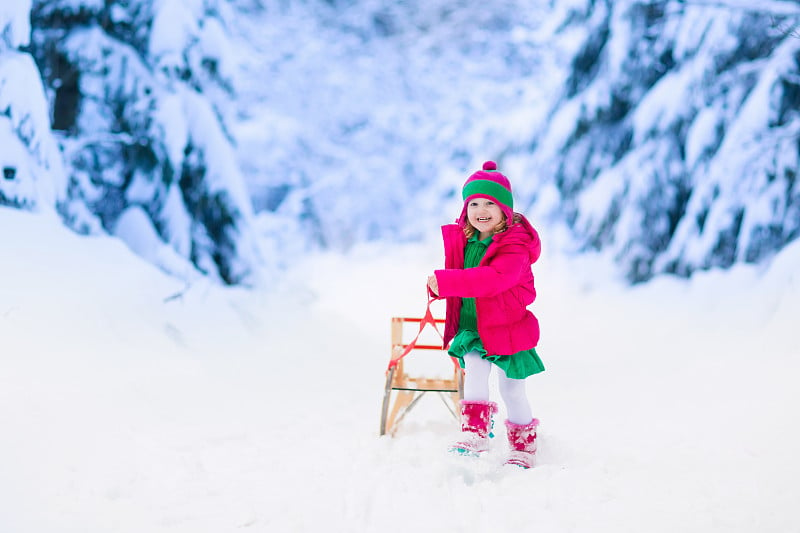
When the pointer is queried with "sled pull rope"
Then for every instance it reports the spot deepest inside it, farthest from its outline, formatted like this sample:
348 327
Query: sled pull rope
426 320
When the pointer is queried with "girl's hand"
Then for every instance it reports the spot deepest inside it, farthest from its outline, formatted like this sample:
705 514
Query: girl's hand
433 285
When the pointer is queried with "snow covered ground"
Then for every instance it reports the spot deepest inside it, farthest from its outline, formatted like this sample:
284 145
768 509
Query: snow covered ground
131 403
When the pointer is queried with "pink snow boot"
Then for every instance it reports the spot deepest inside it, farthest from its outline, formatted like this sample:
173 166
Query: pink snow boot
522 440
476 423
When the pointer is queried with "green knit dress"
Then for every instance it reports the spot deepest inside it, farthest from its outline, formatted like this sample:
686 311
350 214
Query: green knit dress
516 366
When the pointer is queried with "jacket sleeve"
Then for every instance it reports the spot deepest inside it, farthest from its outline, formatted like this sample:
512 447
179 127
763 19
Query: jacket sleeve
504 271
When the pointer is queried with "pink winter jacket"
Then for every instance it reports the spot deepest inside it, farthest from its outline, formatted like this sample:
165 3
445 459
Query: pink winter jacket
502 285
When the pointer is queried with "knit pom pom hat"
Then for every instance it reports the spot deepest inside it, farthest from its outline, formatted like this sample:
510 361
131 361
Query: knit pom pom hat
488 183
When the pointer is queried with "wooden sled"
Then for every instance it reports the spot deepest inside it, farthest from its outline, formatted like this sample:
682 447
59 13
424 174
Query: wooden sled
402 391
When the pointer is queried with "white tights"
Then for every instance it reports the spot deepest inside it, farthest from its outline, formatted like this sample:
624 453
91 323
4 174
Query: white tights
512 391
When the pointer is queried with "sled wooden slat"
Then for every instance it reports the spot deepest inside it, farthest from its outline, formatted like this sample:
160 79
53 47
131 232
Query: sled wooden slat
402 391
426 347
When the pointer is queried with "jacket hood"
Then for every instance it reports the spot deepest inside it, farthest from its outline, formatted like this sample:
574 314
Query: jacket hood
523 233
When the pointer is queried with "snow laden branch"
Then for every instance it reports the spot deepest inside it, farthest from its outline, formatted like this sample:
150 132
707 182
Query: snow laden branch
779 10
771 7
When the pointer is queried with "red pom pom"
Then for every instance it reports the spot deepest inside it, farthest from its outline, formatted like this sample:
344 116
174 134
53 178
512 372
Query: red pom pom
490 165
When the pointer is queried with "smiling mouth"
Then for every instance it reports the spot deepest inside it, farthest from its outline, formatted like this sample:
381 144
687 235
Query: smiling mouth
484 219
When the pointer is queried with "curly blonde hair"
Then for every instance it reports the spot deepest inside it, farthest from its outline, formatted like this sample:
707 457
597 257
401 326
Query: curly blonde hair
469 229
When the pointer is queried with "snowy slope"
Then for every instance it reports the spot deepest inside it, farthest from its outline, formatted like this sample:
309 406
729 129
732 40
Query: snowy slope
130 403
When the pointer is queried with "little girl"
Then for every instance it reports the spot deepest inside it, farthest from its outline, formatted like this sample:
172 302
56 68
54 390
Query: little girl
488 284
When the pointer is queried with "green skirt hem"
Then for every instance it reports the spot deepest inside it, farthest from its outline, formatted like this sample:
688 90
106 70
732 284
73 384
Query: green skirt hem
519 365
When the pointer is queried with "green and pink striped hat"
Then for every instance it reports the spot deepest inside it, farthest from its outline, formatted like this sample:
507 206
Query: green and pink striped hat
488 183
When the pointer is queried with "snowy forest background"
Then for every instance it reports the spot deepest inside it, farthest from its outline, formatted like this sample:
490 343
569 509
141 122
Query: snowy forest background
286 165
224 137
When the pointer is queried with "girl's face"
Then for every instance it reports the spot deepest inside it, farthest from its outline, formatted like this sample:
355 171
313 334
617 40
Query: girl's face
484 215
